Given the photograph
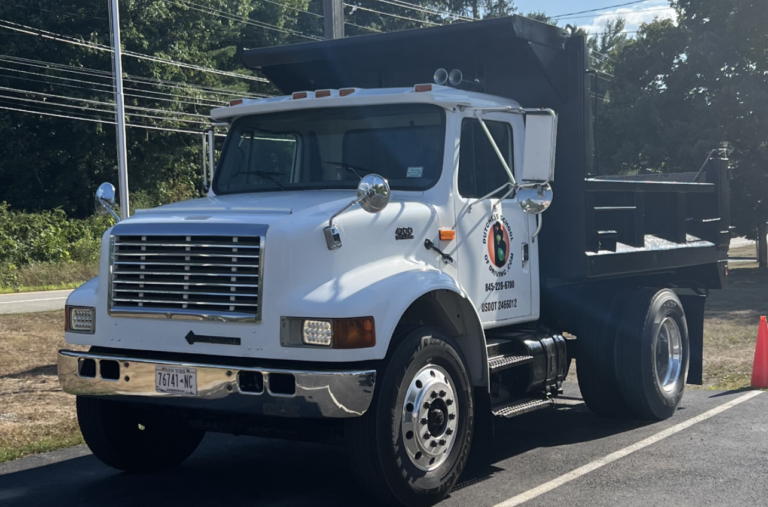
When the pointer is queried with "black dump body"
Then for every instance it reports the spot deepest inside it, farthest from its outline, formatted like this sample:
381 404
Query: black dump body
668 230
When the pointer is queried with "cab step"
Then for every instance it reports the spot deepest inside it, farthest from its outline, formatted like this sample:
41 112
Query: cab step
520 407
499 363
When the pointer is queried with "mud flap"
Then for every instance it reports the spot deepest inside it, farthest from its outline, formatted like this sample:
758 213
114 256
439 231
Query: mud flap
693 305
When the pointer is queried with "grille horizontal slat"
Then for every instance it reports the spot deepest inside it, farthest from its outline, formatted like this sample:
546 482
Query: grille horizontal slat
198 275
142 300
186 245
172 263
187 254
172 273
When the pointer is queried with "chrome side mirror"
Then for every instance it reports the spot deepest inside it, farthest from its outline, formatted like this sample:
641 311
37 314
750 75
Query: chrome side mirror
104 201
535 199
373 195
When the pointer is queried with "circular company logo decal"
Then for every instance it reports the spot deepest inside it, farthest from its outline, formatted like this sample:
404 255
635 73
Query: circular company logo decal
497 237
498 246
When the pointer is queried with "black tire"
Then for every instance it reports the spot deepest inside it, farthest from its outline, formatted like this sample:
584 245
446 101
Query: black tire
113 432
650 319
595 362
375 442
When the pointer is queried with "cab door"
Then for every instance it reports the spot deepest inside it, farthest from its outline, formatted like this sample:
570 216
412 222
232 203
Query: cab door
492 231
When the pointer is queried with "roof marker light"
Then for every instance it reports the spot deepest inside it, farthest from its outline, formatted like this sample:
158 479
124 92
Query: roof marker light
322 93
299 95
235 102
346 91
423 88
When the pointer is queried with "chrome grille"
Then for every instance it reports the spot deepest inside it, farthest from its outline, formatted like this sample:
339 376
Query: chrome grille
208 276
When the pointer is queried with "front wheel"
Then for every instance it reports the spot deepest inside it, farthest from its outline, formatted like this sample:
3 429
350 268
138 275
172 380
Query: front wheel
412 445
135 439
652 354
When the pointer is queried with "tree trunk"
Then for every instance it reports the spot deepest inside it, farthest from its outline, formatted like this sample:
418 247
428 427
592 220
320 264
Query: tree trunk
762 245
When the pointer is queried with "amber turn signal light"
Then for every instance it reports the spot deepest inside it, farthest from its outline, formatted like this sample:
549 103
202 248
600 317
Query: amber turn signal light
358 333
423 88
447 235
299 95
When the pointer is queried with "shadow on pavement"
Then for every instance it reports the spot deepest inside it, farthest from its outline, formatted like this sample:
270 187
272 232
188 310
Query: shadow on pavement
229 470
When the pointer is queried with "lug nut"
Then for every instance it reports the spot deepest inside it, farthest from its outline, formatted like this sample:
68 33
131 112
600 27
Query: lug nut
451 416
427 435
434 394
449 431
442 394
424 421
433 444
449 401
442 441
426 405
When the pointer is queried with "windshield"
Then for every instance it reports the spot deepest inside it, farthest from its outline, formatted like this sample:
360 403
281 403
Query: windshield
333 148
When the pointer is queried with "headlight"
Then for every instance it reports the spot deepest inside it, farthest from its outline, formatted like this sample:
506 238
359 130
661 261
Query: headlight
355 333
80 319
316 332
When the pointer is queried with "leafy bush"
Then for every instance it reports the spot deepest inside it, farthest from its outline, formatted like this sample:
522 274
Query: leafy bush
47 237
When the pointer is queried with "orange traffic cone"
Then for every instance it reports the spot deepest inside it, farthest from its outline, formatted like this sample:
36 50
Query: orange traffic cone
760 367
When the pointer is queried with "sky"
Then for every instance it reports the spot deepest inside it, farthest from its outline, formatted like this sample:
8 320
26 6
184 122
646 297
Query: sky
593 22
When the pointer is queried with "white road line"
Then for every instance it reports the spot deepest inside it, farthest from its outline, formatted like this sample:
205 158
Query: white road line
575 474
29 300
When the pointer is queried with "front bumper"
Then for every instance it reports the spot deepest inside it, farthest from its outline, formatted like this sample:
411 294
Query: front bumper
335 394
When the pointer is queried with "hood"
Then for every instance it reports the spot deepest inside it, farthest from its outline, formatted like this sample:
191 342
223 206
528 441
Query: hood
269 207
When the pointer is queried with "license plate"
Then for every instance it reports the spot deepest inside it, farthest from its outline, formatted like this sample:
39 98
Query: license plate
176 380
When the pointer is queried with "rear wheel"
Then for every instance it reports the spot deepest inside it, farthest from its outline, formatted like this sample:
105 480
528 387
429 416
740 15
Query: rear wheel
653 354
135 439
412 445
596 363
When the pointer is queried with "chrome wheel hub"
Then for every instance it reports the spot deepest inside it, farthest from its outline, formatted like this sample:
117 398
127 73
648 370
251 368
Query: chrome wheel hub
430 418
668 351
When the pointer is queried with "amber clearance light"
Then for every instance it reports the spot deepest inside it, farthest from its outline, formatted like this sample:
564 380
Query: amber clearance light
358 333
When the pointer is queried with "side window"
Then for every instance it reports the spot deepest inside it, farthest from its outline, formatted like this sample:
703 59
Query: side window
480 171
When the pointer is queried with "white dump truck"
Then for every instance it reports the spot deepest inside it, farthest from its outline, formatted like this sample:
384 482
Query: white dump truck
377 264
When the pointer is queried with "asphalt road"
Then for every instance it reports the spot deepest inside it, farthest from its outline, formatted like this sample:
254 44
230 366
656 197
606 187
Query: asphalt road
33 301
719 461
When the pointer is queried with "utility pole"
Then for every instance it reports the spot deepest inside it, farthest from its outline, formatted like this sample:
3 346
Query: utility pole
122 152
333 15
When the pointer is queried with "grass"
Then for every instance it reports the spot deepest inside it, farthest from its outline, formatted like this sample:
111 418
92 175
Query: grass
35 414
51 276
730 326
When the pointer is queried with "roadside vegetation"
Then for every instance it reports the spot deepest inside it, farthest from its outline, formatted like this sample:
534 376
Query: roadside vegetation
47 250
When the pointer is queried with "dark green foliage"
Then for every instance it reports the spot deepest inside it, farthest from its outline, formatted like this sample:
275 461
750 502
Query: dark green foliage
46 237
682 90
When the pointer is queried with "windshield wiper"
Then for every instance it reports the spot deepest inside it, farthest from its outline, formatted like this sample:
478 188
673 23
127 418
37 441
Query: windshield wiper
270 176
349 167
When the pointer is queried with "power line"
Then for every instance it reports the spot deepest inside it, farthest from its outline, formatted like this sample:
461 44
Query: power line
600 9
242 19
391 15
102 121
427 10
71 40
109 91
139 115
615 14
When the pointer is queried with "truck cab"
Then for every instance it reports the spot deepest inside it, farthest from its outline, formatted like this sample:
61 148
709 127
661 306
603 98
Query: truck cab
371 267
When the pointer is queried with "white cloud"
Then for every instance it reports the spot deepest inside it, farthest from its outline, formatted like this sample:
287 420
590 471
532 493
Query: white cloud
635 16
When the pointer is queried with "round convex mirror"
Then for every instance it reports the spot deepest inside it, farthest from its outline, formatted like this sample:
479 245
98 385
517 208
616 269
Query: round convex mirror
535 200
374 191
105 195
